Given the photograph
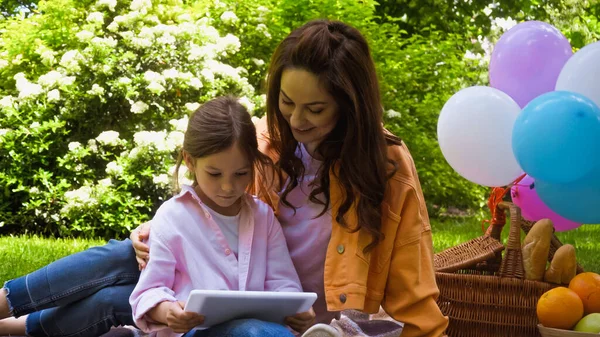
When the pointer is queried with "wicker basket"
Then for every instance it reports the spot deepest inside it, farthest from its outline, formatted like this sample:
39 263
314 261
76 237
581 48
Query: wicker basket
486 294
549 332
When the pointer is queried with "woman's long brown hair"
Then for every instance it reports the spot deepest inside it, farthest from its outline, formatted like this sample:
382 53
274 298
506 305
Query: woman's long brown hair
356 149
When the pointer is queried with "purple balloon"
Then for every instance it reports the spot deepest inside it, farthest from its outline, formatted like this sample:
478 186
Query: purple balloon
527 60
533 208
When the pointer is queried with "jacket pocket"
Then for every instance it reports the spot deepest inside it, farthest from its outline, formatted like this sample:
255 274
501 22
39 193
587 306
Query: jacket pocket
378 258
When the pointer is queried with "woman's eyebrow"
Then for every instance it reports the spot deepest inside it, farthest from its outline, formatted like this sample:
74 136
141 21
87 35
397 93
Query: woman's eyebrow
311 103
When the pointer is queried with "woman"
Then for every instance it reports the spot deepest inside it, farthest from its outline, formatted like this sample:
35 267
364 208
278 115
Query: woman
349 198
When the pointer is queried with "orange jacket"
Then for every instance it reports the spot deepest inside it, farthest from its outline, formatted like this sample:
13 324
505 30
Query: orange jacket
398 273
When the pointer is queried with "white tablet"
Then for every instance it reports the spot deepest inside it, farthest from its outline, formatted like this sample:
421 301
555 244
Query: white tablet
220 306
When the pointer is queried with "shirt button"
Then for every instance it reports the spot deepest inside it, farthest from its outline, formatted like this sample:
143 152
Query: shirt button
340 249
343 298
227 251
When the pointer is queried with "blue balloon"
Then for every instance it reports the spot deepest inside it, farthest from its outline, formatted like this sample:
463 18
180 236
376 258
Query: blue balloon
578 201
556 138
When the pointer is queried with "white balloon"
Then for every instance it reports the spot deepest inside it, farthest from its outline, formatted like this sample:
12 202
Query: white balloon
581 73
475 135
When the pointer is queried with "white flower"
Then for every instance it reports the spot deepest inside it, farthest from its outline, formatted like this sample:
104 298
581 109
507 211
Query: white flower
3 132
113 27
113 168
111 4
166 39
208 75
50 79
393 114
96 17
17 59
7 102
208 51
504 24
246 102
27 89
156 139
161 180
139 107
170 73
34 125
34 190
3 63
106 42
261 27
223 69
195 83
184 17
138 5
151 76
192 106
229 17
181 124
141 42
134 153
85 35
70 60
53 95
229 43
92 145
74 146
82 195
174 140
156 88
106 182
124 80
258 62
108 138
66 81
96 90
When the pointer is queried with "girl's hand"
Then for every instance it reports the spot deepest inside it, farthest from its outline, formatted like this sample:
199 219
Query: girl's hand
182 321
142 251
302 321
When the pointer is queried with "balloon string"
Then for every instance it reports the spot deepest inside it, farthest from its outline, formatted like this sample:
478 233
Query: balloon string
494 200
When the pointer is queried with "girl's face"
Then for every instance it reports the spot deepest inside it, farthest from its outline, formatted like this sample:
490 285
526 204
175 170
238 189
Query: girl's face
222 178
310 110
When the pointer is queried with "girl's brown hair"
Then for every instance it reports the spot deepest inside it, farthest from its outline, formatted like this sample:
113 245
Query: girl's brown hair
216 126
356 149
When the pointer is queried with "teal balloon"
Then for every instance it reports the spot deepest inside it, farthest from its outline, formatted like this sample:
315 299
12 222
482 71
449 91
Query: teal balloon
577 201
556 138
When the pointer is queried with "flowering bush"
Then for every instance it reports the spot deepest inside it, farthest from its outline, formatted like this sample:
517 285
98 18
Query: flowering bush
93 113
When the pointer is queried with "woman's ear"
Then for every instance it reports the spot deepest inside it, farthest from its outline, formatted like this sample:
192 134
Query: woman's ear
189 161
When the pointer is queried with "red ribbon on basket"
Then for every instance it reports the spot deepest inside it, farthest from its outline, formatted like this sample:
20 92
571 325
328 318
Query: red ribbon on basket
495 198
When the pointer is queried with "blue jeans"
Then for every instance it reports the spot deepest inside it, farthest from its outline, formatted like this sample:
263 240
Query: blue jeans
83 294
243 328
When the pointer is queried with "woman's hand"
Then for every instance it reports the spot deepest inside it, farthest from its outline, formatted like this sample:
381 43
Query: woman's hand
182 321
302 321
142 251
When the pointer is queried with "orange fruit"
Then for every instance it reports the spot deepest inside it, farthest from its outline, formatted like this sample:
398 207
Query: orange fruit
559 308
587 286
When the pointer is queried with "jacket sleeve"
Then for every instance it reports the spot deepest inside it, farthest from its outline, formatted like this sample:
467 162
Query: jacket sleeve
411 289
265 185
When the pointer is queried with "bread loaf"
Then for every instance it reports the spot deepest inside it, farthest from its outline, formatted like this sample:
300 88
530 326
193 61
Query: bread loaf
563 266
536 248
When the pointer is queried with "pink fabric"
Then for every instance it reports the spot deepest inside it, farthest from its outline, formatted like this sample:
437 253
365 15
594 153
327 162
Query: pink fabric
189 251
308 235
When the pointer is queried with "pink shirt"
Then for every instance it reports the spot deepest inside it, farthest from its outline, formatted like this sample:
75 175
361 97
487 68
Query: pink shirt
308 235
189 251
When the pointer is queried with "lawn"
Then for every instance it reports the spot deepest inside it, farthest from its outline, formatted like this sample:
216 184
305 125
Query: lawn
23 254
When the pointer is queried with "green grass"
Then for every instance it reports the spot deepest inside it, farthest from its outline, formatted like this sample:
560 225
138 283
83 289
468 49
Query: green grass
23 254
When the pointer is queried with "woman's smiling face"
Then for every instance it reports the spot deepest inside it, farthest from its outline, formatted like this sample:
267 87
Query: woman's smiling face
309 109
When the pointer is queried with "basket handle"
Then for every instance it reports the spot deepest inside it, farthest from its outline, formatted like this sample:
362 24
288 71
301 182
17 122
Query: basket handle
512 263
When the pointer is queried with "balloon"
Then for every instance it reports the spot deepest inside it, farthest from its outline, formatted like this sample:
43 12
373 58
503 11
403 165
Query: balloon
527 60
533 208
579 201
581 74
474 132
557 137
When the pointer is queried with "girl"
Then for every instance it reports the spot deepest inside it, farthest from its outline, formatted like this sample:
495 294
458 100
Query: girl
213 235
348 198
